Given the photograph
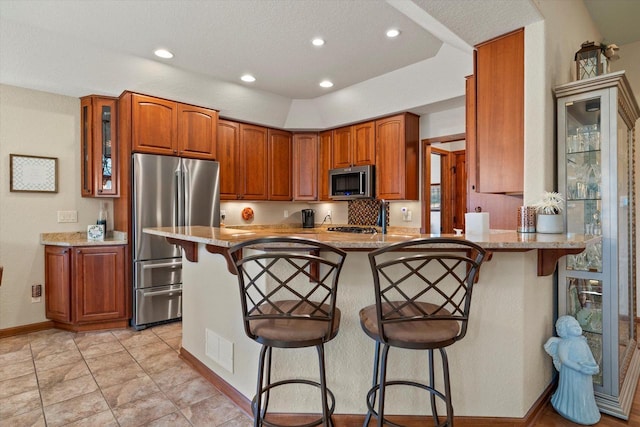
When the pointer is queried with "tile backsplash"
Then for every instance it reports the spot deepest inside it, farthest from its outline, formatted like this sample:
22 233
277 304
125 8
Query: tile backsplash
364 212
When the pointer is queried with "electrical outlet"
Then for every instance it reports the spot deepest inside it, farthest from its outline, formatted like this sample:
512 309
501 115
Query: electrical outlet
36 293
67 216
286 213
329 213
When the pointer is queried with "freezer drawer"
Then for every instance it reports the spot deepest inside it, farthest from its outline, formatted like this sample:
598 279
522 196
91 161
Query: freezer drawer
158 304
157 273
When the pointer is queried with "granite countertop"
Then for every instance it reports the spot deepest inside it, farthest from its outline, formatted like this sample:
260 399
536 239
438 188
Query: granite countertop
505 240
79 238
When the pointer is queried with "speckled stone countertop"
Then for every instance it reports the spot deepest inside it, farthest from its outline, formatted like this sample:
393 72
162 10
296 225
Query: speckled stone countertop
504 240
79 238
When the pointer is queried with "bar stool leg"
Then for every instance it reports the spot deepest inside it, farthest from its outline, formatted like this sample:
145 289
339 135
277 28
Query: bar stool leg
447 387
432 384
326 419
374 383
257 403
383 379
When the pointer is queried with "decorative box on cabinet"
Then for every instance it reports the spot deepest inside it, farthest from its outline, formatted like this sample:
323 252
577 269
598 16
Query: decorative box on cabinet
305 166
85 287
99 147
161 126
397 157
596 119
354 145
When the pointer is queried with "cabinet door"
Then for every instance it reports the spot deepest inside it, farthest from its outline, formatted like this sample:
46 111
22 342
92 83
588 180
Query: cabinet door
98 147
500 114
253 162
228 156
342 147
280 159
326 158
99 285
364 144
397 157
57 280
197 132
155 125
305 166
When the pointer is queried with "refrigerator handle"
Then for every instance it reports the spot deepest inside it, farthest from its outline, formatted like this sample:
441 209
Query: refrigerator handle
179 205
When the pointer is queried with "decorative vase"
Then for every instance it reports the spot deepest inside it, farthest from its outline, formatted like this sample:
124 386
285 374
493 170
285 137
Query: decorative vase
549 223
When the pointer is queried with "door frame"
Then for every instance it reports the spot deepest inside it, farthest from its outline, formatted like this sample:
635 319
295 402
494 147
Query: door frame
446 183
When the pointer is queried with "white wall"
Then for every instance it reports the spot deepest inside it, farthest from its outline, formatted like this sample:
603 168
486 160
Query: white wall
41 124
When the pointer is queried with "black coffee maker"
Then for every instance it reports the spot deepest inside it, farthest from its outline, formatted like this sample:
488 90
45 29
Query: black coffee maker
308 220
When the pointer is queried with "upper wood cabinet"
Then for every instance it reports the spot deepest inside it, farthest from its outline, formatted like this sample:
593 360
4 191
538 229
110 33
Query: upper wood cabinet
161 126
243 156
397 157
305 166
280 151
197 132
99 147
86 287
325 151
354 145
500 114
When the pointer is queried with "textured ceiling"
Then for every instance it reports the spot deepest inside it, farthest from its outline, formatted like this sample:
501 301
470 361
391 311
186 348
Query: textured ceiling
617 20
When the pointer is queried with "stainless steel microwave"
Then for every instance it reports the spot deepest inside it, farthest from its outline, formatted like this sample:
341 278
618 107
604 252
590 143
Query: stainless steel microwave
356 182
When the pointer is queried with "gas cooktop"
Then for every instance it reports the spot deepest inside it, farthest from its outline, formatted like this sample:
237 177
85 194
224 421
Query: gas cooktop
361 230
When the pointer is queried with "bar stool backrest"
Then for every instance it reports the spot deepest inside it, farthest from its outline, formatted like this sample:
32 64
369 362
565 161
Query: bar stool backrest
288 279
407 275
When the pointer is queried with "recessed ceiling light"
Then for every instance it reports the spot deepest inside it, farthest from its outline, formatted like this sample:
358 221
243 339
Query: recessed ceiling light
393 33
248 78
163 53
326 83
317 41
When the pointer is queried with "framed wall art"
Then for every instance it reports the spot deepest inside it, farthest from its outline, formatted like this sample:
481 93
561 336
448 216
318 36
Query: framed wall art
33 174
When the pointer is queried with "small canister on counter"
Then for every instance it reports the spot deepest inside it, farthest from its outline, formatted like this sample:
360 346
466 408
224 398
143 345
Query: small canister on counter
526 219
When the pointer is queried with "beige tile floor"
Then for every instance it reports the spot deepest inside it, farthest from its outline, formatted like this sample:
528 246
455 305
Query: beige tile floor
107 378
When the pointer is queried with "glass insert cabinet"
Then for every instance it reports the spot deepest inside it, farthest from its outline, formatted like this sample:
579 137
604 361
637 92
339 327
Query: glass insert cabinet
596 119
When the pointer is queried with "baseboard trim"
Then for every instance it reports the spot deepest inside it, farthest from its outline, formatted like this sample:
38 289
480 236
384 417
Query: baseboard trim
26 329
355 420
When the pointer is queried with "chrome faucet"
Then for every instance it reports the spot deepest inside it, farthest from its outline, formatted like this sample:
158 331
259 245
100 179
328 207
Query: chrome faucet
382 216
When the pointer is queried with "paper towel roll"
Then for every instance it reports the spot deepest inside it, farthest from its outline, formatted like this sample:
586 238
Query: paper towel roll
476 223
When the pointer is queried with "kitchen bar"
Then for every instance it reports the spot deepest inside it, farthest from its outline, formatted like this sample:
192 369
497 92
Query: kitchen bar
512 316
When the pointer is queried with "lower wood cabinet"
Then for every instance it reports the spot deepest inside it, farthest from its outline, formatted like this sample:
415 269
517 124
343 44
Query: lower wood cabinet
85 287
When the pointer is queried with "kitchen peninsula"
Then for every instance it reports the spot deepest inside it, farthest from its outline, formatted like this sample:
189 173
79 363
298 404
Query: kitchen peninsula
499 370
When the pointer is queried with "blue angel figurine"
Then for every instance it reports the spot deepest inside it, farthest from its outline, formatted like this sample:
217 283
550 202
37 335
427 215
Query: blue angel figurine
572 357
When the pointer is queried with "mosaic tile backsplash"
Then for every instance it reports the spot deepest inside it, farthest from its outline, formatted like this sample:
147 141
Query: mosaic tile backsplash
364 212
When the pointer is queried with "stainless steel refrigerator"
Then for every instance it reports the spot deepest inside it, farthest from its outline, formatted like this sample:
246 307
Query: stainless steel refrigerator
167 191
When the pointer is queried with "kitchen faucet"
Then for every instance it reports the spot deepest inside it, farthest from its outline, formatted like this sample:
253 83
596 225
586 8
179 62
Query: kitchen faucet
382 216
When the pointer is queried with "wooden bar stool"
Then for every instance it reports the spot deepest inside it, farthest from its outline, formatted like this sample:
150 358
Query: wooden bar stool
288 291
423 299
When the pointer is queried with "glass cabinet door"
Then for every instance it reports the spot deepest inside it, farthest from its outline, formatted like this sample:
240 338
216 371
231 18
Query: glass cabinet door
98 147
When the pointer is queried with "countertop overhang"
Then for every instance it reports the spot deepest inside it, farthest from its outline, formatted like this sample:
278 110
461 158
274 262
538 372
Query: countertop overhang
550 247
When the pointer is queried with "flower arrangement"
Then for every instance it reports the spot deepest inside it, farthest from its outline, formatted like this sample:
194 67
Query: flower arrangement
552 203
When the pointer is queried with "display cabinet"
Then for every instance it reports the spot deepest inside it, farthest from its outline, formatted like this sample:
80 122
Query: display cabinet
596 119
98 147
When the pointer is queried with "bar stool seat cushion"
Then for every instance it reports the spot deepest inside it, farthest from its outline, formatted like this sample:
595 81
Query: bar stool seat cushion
294 329
420 332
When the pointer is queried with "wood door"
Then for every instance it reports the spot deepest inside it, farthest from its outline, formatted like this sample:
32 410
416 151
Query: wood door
280 167
397 157
197 132
305 166
325 163
500 114
86 146
99 284
105 148
155 125
342 148
364 143
459 181
254 162
57 282
229 159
